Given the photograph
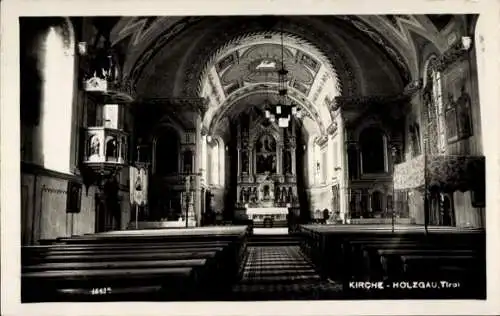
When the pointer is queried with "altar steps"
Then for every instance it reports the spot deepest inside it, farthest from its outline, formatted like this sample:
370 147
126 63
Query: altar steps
273 240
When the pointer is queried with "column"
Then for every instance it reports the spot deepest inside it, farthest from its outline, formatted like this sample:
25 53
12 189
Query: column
330 165
197 168
239 161
279 157
293 153
343 175
250 161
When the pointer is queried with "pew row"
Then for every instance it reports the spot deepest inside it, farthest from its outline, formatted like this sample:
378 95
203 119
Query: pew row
362 253
159 265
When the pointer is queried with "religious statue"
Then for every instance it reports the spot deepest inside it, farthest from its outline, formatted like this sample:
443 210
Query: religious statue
242 195
94 145
277 194
266 144
244 161
283 194
254 195
266 192
246 195
290 195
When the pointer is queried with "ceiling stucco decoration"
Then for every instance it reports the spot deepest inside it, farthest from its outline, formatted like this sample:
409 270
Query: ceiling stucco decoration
398 58
255 58
147 35
260 63
236 36
146 50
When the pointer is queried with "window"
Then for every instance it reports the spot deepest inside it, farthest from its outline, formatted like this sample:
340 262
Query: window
214 163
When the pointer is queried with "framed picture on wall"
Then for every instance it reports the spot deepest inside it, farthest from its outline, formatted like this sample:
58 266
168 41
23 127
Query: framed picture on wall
458 114
74 198
451 124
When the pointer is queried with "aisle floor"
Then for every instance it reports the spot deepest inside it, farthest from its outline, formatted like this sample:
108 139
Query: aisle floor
282 273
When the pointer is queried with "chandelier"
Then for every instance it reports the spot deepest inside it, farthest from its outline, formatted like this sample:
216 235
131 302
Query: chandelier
282 111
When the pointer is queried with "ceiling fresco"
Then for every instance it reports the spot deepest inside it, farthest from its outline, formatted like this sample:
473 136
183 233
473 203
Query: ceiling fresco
260 63
147 35
227 59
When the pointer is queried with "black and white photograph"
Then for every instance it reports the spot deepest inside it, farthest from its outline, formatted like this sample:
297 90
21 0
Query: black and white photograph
253 157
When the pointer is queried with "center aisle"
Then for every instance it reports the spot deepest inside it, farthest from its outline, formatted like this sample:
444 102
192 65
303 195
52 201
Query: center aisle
282 273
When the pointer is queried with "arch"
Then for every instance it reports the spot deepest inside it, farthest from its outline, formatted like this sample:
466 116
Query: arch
263 38
373 150
370 122
214 115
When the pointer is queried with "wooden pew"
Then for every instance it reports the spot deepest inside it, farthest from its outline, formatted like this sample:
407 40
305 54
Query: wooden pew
365 256
341 251
166 282
161 265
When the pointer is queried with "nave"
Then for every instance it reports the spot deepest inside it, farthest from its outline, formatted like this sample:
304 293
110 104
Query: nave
227 263
362 144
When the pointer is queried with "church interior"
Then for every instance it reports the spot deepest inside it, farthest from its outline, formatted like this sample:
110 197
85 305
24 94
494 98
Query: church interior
251 157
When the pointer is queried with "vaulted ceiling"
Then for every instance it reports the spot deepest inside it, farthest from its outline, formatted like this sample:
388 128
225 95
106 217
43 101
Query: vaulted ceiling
231 60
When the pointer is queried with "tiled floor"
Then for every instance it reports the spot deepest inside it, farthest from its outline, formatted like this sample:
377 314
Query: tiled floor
282 273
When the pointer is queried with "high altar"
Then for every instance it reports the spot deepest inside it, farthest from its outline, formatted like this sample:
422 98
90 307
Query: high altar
267 181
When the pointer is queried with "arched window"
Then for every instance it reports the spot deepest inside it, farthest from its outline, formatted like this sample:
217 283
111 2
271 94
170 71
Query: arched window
222 161
167 152
373 150
214 162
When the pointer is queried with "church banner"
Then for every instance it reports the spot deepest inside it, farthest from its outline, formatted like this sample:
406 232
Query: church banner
142 186
139 186
133 171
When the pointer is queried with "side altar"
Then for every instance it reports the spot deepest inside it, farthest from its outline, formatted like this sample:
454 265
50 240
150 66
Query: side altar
267 181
